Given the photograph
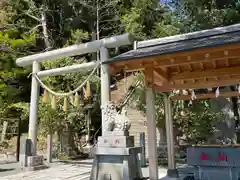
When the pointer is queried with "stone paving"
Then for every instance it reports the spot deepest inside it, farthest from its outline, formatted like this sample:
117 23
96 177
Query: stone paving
79 170
65 172
61 172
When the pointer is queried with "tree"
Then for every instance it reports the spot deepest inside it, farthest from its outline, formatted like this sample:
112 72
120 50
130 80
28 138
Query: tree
206 14
31 26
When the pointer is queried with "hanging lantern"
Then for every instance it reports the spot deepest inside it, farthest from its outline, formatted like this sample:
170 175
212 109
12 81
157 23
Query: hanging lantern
76 100
54 103
65 104
88 91
45 96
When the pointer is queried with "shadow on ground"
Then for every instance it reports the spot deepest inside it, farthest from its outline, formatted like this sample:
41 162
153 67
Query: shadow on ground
4 170
74 162
7 162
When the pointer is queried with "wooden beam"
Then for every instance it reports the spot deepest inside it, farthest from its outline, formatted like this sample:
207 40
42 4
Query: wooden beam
180 58
198 84
195 58
158 79
206 96
148 73
177 61
210 73
160 74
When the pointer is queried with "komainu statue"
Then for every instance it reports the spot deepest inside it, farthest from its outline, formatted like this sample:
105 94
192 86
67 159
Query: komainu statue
115 121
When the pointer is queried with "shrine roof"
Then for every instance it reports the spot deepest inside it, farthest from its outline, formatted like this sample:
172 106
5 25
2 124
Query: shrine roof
182 43
203 59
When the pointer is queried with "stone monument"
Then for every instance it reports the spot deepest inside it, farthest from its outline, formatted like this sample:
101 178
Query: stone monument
116 158
27 160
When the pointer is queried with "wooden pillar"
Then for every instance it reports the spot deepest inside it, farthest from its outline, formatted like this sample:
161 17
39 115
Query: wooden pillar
151 128
172 172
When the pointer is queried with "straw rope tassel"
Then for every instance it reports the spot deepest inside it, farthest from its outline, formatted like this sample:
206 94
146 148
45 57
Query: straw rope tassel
65 104
45 96
193 96
76 100
54 102
88 90
217 92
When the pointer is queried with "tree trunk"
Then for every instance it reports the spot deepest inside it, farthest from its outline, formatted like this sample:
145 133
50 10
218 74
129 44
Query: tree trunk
48 47
45 30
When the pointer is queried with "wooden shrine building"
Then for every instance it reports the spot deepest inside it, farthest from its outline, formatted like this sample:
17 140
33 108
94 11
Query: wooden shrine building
204 59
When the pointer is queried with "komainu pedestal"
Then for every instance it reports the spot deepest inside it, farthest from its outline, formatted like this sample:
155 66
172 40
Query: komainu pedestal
116 158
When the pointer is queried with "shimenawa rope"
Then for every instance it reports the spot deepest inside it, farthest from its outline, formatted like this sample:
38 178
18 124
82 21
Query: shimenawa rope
70 92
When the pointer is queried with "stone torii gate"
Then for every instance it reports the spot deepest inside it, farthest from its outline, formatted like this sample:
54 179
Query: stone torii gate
204 59
99 45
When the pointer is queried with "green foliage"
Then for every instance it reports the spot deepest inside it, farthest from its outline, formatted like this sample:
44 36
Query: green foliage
23 108
13 82
192 123
205 14
195 123
70 22
78 36
132 24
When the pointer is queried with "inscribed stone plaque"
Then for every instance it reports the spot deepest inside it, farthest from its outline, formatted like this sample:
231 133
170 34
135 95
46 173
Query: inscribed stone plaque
116 141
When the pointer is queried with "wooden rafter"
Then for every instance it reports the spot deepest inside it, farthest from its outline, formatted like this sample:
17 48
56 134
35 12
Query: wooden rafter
179 61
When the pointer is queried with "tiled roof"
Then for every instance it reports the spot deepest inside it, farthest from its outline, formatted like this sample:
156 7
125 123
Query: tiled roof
183 43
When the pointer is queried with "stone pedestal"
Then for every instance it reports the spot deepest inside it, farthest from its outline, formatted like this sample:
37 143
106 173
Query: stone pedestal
25 151
116 158
27 160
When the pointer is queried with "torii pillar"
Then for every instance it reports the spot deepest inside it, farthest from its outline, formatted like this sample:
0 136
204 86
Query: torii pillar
105 82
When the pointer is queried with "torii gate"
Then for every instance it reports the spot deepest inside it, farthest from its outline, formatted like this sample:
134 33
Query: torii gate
99 45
